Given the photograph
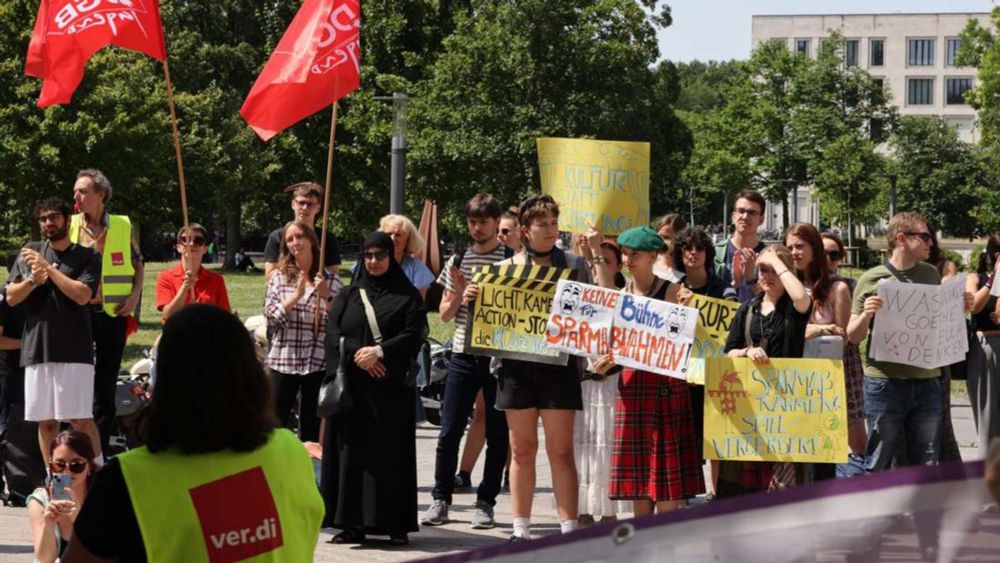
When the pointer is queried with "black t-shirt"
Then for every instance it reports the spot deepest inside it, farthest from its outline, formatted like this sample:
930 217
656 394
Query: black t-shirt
57 329
107 525
769 332
12 322
273 248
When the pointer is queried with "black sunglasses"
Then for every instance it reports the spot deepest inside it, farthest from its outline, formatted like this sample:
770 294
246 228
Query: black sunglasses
197 240
377 256
59 466
504 232
834 255
924 236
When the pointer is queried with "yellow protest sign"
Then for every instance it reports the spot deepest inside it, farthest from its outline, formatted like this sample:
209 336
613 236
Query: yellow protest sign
599 183
508 317
715 317
786 410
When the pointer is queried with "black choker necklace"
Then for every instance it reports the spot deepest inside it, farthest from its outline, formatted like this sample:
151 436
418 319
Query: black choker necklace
536 254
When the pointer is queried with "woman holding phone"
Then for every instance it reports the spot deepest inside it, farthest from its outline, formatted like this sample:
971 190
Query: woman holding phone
52 510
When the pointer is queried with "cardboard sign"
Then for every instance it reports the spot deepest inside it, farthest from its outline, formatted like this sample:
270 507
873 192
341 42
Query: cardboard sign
787 410
641 333
921 325
600 183
508 317
715 318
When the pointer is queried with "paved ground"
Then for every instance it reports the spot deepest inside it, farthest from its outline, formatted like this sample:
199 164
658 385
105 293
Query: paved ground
15 545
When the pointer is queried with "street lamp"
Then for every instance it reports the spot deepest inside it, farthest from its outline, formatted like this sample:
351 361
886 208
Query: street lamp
397 172
892 193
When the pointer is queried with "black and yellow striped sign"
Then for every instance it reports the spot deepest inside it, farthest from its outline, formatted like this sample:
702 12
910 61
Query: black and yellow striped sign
520 276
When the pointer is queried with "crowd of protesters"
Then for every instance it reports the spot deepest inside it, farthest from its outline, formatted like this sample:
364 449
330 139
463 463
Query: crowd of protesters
342 367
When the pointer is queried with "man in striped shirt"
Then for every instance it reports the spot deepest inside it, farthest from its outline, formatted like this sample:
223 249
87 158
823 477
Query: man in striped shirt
468 373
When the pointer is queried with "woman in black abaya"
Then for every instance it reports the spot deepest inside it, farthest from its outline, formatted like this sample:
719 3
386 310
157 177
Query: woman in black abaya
369 478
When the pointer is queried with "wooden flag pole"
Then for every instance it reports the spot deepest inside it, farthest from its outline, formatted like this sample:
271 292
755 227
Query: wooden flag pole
326 211
180 165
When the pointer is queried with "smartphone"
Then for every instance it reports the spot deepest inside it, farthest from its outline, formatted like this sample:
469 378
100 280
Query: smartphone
60 482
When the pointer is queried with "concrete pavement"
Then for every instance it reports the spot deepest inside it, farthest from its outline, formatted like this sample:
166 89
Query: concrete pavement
15 541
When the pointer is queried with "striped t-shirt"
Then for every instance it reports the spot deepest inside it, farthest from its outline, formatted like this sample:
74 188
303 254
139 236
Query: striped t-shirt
470 261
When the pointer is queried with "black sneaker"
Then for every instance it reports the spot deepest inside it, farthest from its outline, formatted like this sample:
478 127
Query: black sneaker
463 481
517 539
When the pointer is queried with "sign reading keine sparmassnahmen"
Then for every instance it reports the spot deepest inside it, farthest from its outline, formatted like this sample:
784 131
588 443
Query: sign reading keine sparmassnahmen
921 325
785 410
641 333
604 184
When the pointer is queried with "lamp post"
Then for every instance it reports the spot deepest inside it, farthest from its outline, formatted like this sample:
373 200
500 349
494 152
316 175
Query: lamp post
892 193
397 171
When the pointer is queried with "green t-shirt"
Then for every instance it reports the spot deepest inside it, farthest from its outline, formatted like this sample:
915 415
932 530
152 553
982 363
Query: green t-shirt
868 286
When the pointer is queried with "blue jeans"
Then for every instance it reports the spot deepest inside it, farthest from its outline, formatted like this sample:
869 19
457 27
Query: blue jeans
467 374
902 409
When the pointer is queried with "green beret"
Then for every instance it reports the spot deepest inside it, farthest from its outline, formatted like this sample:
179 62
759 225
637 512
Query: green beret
641 238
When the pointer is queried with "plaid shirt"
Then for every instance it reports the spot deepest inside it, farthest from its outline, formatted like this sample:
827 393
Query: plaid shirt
295 348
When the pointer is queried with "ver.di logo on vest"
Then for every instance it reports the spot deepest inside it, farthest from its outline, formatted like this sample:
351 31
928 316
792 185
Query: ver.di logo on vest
238 516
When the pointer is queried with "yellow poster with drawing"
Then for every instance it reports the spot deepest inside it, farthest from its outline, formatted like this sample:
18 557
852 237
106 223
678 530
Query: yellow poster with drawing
715 317
599 183
786 410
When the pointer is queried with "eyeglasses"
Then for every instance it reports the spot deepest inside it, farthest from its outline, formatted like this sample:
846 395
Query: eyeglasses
377 256
924 236
748 212
59 466
305 204
53 217
196 240
834 255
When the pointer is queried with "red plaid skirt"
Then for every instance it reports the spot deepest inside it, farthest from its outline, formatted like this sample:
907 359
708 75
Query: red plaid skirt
656 450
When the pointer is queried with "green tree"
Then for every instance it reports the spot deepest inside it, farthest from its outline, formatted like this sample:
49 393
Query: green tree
981 49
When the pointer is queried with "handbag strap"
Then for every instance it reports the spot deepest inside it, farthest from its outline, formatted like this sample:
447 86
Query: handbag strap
370 313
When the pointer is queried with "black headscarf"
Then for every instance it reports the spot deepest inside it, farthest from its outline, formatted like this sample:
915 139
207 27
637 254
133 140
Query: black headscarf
393 281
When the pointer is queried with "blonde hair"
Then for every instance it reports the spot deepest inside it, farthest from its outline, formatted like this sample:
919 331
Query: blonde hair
414 242
286 262
783 254
903 223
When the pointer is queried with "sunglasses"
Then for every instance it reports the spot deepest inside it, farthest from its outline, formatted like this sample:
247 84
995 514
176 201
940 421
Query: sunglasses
834 255
60 466
196 240
377 256
924 236
504 232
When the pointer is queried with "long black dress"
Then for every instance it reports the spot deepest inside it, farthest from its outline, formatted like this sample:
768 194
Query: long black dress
369 476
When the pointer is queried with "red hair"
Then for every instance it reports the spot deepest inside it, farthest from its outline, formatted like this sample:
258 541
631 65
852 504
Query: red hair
818 269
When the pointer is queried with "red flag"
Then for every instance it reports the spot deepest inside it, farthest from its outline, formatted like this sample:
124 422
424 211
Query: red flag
68 32
315 64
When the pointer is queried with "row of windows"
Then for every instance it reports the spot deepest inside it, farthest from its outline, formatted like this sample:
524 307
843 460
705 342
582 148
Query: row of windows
919 52
920 91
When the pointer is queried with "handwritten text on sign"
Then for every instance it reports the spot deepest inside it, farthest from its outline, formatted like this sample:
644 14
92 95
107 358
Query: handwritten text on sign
715 317
507 319
600 183
787 410
921 325
640 332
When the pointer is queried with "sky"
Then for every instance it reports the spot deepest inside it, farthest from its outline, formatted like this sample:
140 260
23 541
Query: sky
720 29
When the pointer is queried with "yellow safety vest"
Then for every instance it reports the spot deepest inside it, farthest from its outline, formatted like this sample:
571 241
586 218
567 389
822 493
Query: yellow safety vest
117 271
226 506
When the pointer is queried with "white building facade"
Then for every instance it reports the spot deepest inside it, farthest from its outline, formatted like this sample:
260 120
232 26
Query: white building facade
913 55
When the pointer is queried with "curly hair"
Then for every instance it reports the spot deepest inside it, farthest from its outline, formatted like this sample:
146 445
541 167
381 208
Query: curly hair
692 238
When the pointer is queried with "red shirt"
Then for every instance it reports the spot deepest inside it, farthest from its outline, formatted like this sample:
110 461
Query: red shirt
209 288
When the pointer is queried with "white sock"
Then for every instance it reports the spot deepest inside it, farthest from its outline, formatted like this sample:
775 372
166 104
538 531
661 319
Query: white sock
568 526
522 528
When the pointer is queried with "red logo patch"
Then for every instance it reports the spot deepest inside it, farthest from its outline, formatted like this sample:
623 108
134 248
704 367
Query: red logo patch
117 259
238 517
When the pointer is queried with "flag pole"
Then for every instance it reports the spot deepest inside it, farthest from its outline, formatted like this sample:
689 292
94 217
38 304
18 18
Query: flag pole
326 209
180 166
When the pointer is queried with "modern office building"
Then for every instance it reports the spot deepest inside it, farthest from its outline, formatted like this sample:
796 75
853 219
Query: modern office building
912 54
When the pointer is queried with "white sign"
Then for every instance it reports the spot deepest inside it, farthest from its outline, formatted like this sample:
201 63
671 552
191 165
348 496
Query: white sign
921 325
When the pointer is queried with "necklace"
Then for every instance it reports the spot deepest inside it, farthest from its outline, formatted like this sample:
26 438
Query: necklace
536 254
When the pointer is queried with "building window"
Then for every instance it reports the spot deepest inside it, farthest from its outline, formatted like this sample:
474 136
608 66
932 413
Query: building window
880 82
920 52
920 91
851 52
802 46
877 50
955 89
952 45
876 129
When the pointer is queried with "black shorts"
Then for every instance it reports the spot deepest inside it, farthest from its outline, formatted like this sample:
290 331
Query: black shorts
530 385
